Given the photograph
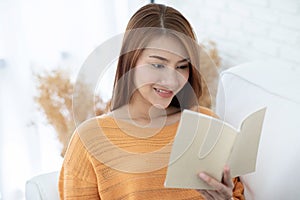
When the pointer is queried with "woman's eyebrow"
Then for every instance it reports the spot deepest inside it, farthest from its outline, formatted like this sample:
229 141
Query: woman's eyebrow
184 60
166 60
160 58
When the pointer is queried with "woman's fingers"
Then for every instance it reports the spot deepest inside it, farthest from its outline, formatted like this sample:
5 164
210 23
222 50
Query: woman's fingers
211 181
227 180
223 190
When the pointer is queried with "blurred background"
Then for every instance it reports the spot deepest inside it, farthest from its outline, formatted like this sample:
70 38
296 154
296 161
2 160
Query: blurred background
41 35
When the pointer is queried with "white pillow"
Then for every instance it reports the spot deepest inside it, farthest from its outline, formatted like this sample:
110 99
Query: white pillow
245 88
42 187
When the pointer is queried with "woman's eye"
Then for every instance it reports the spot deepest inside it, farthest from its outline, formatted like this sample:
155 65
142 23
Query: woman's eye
158 65
182 67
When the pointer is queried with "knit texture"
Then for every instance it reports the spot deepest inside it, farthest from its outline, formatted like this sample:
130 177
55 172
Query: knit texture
110 160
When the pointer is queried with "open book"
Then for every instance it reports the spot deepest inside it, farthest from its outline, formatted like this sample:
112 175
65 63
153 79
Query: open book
205 144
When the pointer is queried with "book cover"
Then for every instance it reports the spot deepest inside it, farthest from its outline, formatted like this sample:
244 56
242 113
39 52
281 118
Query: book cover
205 144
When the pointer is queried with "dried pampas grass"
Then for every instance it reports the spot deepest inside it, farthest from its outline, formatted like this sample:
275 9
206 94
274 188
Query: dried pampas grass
55 92
210 63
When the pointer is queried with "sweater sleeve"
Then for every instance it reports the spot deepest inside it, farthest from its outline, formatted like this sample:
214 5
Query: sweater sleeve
238 190
77 176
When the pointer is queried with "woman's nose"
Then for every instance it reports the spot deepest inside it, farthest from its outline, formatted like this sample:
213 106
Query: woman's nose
171 78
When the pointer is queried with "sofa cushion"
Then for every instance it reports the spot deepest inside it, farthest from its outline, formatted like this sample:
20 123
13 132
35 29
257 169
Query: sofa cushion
274 84
43 187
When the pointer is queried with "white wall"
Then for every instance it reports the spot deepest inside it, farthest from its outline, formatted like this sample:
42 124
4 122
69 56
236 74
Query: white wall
246 29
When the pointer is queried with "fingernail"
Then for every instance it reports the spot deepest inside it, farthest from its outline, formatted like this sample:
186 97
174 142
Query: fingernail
203 176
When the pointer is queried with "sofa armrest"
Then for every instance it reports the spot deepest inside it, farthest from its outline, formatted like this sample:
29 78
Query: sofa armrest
245 88
43 187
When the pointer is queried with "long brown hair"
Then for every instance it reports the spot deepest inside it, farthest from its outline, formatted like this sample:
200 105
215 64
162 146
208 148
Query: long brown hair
150 21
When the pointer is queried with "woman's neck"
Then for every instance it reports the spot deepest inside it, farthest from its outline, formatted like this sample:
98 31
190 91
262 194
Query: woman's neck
143 113
141 110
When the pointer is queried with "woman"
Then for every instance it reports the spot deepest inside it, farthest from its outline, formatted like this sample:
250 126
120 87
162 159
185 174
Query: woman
124 154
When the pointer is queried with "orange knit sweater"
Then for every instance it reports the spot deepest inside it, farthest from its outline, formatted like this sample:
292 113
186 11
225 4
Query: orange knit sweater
107 160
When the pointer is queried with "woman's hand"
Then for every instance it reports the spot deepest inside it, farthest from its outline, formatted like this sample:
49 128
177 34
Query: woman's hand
223 190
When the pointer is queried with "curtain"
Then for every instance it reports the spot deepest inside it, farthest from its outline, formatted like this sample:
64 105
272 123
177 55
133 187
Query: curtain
35 36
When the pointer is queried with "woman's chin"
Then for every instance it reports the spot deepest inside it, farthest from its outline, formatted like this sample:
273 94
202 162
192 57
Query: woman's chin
161 106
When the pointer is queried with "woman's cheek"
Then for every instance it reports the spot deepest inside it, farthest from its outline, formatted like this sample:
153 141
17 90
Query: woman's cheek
145 76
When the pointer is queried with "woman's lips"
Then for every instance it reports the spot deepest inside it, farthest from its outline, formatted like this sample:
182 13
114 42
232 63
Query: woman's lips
163 93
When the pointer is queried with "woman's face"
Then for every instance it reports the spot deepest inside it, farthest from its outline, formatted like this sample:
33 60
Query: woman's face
161 72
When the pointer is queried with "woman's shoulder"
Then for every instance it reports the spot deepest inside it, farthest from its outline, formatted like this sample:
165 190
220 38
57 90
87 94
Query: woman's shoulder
95 123
88 133
91 126
205 110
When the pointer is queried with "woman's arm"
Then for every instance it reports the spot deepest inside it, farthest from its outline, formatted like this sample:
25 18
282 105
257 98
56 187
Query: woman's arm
77 177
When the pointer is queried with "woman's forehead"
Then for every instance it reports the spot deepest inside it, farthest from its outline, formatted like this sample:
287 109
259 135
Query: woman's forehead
167 44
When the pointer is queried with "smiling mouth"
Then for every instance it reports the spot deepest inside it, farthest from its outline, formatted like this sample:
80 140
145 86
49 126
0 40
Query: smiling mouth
164 93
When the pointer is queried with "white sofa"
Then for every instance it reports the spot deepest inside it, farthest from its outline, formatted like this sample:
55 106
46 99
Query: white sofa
43 187
245 88
242 90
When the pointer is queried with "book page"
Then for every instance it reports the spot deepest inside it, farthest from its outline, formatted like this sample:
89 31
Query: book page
243 157
205 144
202 144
